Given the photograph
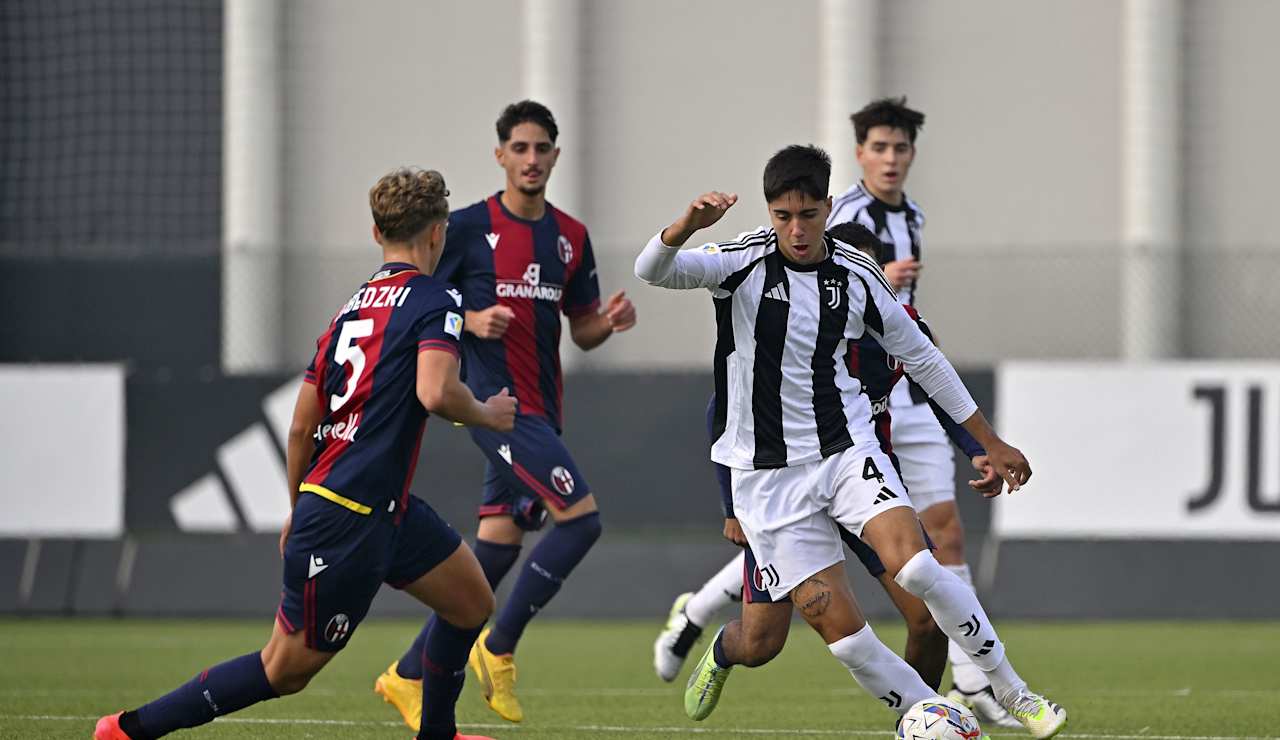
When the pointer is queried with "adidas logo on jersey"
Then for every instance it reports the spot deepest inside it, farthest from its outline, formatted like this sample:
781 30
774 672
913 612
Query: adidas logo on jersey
885 495
505 453
492 238
778 293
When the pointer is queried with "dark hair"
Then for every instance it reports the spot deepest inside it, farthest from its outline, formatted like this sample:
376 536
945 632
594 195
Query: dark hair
526 111
803 168
857 236
891 112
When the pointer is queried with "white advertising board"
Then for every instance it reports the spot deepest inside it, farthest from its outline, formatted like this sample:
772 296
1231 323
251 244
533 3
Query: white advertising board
1145 451
62 460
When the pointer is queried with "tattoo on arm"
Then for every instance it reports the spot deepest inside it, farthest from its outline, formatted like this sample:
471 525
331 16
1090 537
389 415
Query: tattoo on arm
817 597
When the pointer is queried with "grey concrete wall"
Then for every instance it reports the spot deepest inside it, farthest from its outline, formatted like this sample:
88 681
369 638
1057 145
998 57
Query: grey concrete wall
1018 169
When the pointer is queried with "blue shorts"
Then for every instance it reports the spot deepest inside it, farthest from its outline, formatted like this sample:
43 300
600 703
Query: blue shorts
755 586
335 560
528 469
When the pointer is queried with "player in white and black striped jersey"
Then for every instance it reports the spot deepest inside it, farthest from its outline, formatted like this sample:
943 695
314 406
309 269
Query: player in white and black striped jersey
885 132
798 437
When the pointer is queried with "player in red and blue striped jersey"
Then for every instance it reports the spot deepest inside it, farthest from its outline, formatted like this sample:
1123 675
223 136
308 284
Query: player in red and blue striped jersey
390 354
521 263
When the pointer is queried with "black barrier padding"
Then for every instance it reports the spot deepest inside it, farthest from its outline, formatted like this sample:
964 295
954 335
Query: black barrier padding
205 576
94 589
12 553
1187 579
56 571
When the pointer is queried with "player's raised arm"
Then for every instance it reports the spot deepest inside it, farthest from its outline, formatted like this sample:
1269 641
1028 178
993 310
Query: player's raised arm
662 263
441 391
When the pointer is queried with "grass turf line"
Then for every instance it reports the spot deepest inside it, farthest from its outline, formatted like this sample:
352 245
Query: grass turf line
595 679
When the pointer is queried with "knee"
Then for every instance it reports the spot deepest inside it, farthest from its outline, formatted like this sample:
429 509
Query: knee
471 607
586 528
477 610
949 541
915 572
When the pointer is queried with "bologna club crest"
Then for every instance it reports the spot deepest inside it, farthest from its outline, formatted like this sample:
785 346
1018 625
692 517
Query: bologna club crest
563 480
565 247
337 629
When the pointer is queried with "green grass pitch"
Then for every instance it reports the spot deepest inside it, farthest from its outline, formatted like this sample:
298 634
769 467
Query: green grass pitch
1119 681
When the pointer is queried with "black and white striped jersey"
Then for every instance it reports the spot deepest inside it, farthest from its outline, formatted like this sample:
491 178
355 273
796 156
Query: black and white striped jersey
784 391
900 227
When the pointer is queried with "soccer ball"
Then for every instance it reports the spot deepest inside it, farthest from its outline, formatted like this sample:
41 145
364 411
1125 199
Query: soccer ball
937 718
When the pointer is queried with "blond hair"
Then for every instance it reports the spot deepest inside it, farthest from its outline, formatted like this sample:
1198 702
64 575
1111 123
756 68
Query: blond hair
406 201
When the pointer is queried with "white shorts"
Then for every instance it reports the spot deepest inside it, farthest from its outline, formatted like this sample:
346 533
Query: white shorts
923 450
790 515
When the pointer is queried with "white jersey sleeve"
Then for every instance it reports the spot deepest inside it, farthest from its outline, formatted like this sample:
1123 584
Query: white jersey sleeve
891 325
706 266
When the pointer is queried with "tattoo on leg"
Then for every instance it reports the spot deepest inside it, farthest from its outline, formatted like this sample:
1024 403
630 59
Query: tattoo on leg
815 605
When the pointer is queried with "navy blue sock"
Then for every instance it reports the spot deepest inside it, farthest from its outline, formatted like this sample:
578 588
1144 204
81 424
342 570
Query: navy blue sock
548 564
223 689
495 560
717 651
444 659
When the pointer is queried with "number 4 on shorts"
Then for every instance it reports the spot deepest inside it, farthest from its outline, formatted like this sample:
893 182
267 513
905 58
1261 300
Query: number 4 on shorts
870 471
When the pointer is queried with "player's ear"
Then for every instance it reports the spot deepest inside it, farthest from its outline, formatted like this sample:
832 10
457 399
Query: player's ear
377 234
555 156
497 154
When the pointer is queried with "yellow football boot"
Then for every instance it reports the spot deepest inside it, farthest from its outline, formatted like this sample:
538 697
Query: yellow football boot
497 676
405 694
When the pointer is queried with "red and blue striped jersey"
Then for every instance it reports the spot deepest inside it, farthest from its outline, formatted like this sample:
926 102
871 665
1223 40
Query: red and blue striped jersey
365 374
538 269
879 373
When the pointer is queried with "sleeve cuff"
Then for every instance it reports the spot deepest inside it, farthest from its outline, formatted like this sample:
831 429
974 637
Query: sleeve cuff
575 311
437 344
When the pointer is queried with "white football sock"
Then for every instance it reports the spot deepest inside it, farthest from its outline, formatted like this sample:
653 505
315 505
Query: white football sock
956 609
879 670
966 676
721 590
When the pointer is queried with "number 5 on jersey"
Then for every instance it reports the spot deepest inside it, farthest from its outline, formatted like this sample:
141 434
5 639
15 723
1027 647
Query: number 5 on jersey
348 351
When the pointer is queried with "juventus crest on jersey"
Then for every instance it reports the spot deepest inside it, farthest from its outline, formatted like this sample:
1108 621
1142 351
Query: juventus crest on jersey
900 227
784 389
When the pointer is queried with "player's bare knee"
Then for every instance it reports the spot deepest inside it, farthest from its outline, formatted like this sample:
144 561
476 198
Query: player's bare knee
478 610
948 541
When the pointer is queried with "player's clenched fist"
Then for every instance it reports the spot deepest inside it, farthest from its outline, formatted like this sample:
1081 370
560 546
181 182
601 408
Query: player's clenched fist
620 312
491 323
704 211
501 411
